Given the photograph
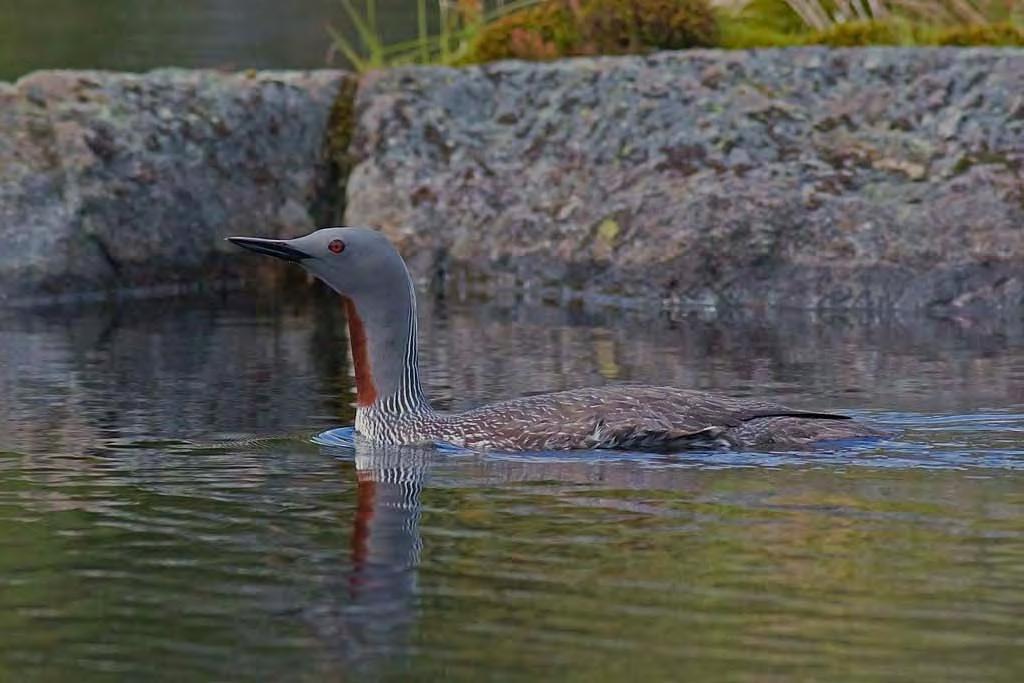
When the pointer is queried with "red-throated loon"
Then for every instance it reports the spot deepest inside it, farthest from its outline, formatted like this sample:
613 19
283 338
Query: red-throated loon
366 270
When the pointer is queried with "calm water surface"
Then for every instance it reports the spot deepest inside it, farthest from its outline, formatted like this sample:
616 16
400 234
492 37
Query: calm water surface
164 515
137 35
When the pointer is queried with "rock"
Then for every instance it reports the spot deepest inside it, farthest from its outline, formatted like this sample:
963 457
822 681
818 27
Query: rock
114 180
880 178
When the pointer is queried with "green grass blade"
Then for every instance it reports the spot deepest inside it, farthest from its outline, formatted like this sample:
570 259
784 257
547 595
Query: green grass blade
421 27
345 47
367 33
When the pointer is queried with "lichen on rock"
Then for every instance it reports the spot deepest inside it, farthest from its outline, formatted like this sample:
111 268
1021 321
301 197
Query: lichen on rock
877 178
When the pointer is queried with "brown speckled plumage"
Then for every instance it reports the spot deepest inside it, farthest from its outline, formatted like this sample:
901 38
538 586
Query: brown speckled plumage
392 409
637 418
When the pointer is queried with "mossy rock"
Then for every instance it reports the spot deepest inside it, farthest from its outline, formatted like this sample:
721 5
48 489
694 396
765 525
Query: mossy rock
543 32
559 28
864 33
896 32
1001 34
629 26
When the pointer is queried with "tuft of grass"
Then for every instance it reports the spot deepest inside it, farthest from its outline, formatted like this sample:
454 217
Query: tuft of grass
368 52
850 23
760 23
461 32
458 22
820 15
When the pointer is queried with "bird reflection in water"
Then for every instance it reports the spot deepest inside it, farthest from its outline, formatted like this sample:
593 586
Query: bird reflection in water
386 533
375 619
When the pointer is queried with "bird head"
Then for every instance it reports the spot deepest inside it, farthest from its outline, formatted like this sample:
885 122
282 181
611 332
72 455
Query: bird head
355 262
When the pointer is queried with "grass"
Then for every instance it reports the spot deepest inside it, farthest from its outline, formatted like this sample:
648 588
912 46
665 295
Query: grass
458 23
821 15
849 23
471 31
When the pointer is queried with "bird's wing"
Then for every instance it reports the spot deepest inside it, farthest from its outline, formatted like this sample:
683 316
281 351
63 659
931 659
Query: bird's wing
680 409
629 418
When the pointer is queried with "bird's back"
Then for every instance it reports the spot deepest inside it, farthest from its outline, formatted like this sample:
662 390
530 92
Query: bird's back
643 418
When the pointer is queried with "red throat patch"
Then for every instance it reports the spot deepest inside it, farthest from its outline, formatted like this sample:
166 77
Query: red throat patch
366 391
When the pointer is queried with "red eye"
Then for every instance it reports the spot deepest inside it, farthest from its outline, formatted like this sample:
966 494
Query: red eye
336 246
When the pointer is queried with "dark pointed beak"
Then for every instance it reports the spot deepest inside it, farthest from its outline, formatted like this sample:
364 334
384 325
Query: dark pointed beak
279 248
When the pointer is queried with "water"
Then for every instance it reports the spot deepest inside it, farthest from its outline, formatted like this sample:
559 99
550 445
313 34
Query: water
165 516
137 35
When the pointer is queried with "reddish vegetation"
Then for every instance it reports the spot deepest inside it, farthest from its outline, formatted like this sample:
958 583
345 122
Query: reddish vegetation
367 493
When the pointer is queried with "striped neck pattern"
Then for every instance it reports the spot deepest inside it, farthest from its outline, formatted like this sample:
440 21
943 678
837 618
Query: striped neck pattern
408 397
398 410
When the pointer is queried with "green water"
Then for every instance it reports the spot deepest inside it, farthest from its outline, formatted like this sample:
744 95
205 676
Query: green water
138 35
164 516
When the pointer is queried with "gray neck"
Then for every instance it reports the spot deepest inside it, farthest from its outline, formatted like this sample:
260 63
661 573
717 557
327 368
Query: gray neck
382 331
